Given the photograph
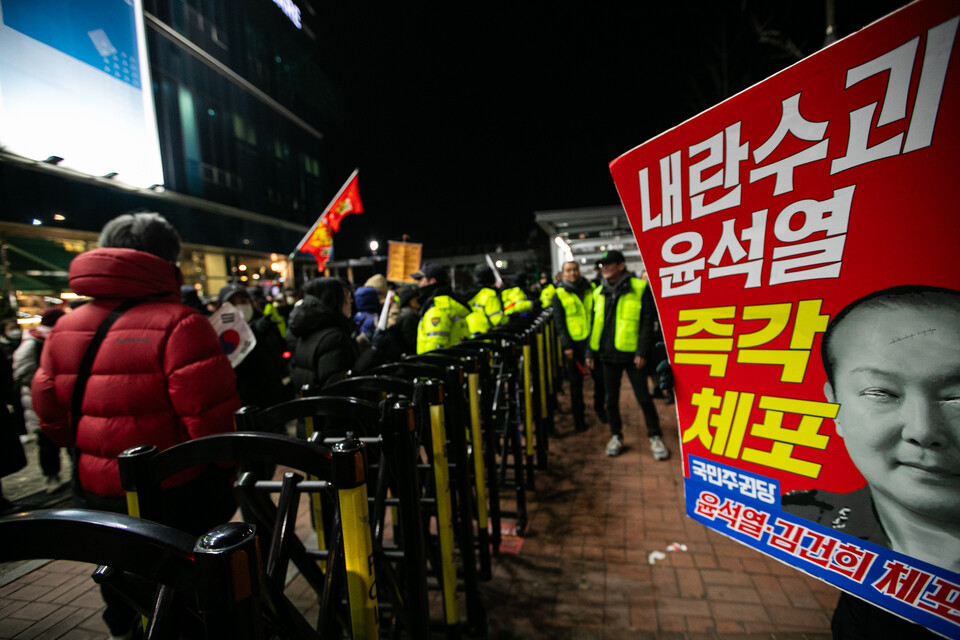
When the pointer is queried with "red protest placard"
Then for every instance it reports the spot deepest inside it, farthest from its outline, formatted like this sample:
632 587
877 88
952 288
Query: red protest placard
761 219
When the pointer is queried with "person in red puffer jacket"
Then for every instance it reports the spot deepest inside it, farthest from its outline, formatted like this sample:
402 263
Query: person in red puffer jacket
159 378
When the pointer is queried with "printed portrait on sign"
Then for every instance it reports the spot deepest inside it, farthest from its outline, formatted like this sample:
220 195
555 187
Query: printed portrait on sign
892 362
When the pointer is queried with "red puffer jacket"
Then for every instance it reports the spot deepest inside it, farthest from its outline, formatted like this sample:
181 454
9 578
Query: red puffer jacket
160 377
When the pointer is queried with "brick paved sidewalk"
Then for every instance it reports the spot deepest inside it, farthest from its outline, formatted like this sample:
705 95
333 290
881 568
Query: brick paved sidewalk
582 570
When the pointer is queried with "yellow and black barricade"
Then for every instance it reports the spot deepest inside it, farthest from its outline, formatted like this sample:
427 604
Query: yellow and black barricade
490 356
529 415
143 469
229 556
441 475
507 420
400 445
480 479
216 575
456 423
542 395
350 479
463 371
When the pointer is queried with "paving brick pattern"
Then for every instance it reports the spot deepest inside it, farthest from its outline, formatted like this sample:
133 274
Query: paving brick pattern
582 573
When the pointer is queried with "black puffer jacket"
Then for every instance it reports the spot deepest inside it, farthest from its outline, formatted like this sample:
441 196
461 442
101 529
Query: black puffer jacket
260 375
325 348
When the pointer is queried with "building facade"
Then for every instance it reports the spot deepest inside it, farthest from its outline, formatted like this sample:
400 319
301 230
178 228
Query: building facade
248 124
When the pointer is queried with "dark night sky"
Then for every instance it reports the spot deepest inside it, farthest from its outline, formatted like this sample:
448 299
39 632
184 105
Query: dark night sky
466 119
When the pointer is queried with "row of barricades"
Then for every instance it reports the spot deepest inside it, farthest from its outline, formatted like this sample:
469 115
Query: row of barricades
404 467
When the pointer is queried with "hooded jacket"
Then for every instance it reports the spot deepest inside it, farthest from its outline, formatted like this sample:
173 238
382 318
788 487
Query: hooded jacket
325 348
368 310
160 377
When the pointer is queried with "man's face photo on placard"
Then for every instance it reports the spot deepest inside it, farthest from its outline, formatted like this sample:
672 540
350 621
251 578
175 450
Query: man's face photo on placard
894 369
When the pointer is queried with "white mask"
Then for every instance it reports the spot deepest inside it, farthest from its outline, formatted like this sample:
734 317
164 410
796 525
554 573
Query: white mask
246 310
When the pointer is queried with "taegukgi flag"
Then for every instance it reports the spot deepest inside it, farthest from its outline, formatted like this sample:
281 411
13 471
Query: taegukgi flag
801 241
236 338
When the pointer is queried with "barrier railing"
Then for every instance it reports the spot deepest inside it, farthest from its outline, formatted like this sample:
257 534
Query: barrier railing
452 414
217 575
143 469
505 426
387 430
487 443
466 405
428 438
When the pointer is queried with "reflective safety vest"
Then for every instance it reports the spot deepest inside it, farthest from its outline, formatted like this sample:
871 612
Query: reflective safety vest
444 324
477 322
271 312
486 311
546 295
577 313
627 320
515 301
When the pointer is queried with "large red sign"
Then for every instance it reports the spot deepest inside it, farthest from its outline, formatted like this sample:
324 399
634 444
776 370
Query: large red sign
761 219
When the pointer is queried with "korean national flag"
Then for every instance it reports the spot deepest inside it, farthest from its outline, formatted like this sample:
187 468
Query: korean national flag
236 338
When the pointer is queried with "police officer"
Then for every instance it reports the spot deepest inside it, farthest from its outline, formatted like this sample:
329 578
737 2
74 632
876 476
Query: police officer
515 298
443 318
621 341
547 291
573 313
484 302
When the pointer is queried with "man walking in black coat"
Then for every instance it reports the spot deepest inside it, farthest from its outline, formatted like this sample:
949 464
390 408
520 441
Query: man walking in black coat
621 340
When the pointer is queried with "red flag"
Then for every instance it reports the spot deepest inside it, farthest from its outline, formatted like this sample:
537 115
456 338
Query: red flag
347 202
319 243
319 240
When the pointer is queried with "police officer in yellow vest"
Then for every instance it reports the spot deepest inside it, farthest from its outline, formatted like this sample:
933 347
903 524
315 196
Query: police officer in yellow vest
547 291
443 318
621 339
515 298
573 313
484 302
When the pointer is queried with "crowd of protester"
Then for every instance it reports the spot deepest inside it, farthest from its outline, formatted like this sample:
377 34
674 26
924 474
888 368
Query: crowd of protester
309 336
315 335
164 376
162 373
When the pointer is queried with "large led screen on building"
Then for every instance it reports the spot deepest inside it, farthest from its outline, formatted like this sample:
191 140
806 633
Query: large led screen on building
801 242
75 83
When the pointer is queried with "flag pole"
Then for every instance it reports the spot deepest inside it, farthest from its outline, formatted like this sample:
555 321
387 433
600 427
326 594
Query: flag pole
326 210
496 272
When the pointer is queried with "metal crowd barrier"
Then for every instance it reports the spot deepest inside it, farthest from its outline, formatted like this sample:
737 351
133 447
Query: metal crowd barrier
144 468
442 415
482 402
466 402
216 575
483 439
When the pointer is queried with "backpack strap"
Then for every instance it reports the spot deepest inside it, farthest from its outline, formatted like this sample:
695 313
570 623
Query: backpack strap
86 363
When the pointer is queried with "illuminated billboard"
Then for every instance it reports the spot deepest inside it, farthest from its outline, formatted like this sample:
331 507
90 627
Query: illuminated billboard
75 84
